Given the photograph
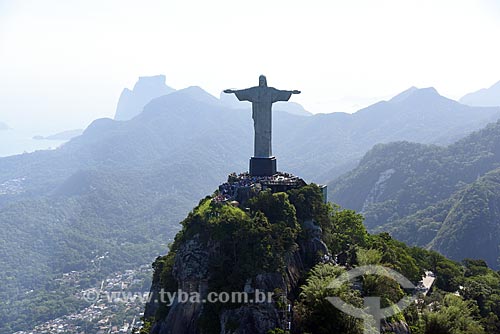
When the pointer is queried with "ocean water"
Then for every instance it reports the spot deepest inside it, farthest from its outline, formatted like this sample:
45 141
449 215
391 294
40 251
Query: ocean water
14 142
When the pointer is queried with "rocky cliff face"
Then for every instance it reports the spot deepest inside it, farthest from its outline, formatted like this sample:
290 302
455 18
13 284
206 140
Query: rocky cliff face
191 271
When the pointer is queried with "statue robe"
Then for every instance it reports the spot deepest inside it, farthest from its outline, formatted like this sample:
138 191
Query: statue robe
262 98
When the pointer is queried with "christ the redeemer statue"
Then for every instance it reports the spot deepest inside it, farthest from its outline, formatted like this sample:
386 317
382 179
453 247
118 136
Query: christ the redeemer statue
262 98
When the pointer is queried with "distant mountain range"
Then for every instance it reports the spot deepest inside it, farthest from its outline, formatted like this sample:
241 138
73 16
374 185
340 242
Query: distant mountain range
122 186
64 135
445 198
330 144
485 97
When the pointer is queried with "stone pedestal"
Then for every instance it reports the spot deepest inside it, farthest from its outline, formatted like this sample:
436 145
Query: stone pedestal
262 166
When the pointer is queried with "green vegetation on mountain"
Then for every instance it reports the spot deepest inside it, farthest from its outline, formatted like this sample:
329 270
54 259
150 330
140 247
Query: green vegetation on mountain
249 243
440 197
259 241
453 316
315 313
241 245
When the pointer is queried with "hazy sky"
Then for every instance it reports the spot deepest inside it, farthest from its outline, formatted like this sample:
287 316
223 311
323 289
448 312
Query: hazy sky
64 63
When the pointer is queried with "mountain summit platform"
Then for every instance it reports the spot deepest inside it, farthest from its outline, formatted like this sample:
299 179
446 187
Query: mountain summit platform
243 186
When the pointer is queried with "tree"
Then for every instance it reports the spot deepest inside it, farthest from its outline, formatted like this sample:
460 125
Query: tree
315 314
344 229
453 316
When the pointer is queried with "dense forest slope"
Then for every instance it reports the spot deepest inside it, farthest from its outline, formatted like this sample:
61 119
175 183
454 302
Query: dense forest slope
441 197
292 245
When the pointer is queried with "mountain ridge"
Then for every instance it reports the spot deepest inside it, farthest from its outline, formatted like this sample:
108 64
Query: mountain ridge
483 97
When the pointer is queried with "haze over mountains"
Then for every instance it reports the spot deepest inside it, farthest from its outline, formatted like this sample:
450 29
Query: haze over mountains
64 135
417 115
140 176
330 144
485 97
333 143
132 102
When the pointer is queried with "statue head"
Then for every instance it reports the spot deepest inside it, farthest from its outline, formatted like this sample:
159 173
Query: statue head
262 81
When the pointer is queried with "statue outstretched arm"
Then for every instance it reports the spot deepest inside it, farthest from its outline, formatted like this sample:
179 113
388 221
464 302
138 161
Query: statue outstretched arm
283 95
242 94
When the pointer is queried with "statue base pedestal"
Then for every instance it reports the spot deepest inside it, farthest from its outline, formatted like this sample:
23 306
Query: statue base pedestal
262 166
